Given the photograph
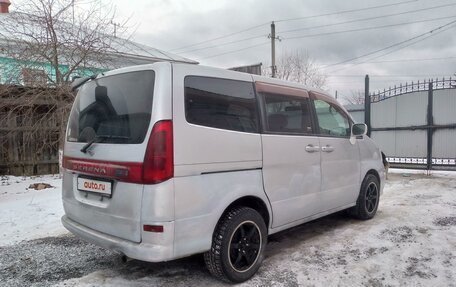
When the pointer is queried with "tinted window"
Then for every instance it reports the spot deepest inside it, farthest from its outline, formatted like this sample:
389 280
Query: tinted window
221 103
117 108
286 114
331 120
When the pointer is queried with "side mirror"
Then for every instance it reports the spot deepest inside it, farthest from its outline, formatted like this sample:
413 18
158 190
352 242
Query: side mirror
359 130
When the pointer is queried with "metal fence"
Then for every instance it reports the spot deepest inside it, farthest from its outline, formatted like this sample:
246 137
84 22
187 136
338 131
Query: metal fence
415 124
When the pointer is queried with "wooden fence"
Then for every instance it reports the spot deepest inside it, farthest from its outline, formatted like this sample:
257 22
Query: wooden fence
32 126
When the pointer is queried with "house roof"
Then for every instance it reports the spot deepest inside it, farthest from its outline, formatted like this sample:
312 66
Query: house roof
136 50
128 51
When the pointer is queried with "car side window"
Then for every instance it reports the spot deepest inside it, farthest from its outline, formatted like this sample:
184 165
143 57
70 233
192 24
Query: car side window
221 103
287 114
331 120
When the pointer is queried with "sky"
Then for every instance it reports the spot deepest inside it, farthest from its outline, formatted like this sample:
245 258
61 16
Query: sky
416 53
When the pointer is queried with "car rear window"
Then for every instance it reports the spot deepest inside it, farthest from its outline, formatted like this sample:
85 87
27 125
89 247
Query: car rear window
116 108
221 103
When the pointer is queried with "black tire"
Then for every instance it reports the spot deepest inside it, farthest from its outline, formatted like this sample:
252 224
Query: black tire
240 236
368 199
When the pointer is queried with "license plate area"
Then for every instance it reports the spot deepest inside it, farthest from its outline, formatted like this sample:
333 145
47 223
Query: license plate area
95 186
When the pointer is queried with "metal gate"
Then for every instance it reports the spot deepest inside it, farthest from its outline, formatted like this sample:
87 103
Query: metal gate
415 124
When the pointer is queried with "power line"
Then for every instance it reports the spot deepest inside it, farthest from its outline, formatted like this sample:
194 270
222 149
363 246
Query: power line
367 19
223 44
234 51
220 37
346 11
369 28
391 46
291 19
329 33
399 48
367 54
410 60
322 34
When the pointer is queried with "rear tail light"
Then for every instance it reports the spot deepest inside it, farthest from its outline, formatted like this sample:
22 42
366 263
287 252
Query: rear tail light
158 161
158 164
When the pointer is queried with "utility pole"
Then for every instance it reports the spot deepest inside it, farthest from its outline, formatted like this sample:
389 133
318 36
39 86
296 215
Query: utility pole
115 27
273 37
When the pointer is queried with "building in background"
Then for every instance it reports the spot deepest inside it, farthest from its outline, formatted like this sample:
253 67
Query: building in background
35 98
20 70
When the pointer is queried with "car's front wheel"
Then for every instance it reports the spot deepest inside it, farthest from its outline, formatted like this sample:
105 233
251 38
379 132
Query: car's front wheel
237 246
368 199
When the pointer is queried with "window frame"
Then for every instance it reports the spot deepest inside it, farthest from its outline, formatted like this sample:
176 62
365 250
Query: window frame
263 111
153 74
34 77
255 105
313 97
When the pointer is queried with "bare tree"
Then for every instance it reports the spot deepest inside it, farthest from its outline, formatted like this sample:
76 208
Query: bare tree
43 44
297 66
51 35
355 98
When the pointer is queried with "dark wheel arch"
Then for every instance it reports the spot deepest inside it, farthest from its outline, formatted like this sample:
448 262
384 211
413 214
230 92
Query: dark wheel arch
253 202
374 173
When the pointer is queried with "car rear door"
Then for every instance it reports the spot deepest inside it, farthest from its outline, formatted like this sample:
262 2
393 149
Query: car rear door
102 187
291 154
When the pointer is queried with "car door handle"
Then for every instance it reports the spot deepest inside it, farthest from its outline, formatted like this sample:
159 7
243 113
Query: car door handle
312 148
327 148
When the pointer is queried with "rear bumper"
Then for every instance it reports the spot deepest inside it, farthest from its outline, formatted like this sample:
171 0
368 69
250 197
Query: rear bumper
141 251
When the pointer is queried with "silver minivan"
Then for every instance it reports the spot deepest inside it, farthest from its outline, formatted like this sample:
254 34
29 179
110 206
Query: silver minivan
167 160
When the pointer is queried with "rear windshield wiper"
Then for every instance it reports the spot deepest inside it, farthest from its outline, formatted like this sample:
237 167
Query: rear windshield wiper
100 138
81 81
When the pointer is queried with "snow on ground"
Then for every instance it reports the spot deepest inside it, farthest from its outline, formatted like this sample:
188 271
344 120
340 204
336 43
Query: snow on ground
411 242
27 213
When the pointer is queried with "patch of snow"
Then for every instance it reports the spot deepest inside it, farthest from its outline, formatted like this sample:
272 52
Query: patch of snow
410 242
27 213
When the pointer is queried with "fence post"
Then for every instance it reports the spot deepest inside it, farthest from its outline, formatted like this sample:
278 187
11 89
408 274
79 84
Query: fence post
367 105
430 123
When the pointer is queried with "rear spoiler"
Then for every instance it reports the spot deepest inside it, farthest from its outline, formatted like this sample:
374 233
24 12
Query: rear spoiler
77 82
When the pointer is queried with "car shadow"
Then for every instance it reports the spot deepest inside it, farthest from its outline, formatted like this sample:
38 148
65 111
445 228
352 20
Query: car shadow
56 259
277 244
290 238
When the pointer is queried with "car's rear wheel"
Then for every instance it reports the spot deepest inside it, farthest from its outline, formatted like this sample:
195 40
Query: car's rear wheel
368 199
237 246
